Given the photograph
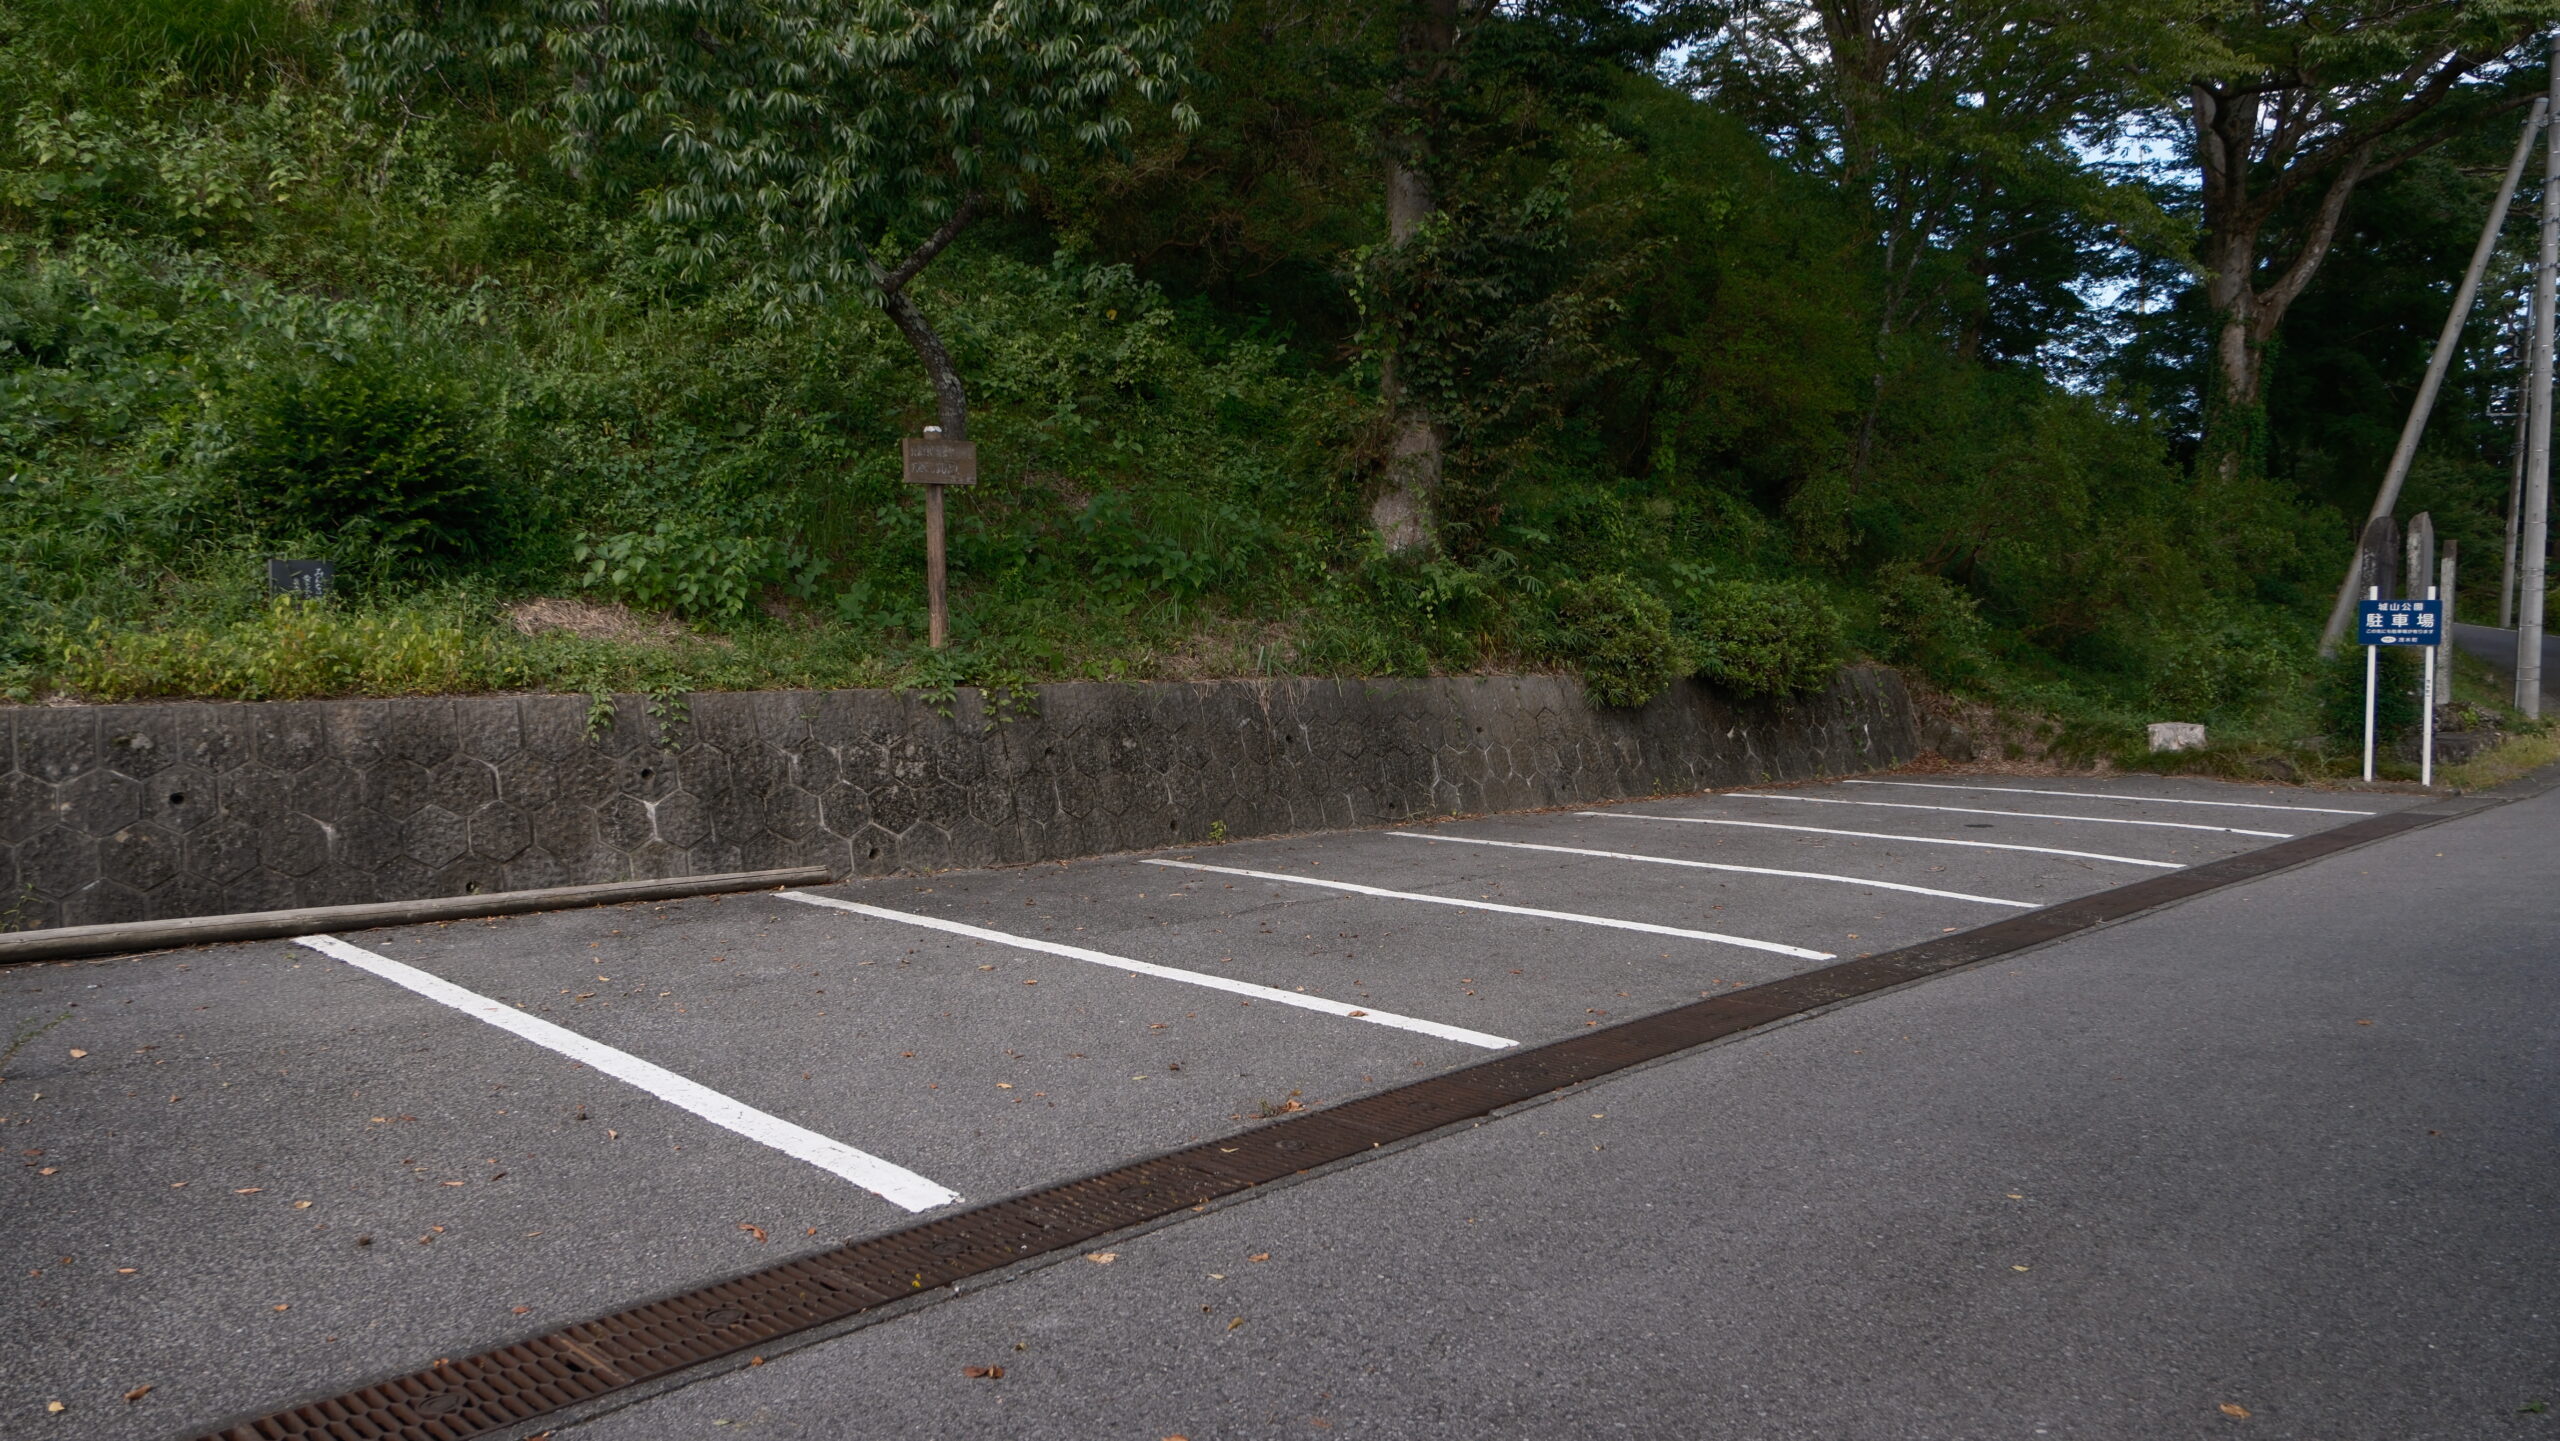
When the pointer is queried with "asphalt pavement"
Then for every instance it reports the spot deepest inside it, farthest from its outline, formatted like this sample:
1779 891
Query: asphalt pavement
255 1174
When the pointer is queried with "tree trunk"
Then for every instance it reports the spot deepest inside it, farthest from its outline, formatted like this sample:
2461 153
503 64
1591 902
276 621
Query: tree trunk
950 397
1402 512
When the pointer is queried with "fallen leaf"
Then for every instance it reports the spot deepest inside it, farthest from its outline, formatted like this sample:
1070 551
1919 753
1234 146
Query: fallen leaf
1102 1258
1359 1013
1231 1325
453 1183
1030 983
1004 1085
983 1373
524 1310
1259 1256
284 1305
54 1408
136 1394
752 1230
302 1205
47 1170
248 1190
2235 1409
126 1270
77 1053
2017 1268
177 1185
2364 1023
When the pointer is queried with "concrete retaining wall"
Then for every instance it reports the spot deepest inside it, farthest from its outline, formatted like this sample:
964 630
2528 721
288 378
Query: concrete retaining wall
111 813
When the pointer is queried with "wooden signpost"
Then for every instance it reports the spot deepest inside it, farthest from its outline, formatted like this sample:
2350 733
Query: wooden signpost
934 462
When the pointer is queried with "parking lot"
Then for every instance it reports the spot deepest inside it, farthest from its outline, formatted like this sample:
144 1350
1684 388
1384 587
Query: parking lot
258 1173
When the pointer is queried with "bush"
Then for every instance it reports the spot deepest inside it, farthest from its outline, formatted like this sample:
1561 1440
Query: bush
369 459
1617 636
689 569
1931 622
2396 700
1760 638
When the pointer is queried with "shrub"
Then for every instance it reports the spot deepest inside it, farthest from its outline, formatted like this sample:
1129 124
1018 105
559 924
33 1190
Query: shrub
1929 621
2395 702
373 460
1617 636
691 569
1761 638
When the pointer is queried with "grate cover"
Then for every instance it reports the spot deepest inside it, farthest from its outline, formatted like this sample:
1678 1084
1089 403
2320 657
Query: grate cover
506 1388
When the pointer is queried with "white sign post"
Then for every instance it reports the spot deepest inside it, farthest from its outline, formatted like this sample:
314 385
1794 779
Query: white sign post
2380 623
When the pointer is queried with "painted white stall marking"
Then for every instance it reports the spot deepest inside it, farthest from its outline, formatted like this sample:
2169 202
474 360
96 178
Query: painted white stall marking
892 1183
1170 973
1717 865
1576 917
2021 815
1881 836
2100 796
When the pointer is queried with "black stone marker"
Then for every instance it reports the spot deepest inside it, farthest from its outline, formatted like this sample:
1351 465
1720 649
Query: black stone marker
308 579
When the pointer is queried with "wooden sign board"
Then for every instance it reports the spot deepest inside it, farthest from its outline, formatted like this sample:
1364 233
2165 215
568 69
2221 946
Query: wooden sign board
932 460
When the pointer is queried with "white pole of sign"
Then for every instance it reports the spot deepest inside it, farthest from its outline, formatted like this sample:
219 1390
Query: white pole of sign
2427 737
2371 592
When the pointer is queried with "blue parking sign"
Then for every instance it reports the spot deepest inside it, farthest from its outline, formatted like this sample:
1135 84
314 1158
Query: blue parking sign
2400 622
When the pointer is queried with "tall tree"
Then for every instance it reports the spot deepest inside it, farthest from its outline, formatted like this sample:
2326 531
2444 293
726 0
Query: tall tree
814 148
1959 129
2296 104
1415 105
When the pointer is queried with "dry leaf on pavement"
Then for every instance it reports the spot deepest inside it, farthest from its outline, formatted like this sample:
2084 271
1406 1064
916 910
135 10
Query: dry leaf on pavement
753 1230
983 1373
1102 1258
138 1392
2234 1408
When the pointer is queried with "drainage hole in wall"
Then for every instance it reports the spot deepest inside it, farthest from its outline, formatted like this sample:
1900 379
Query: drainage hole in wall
177 798
875 853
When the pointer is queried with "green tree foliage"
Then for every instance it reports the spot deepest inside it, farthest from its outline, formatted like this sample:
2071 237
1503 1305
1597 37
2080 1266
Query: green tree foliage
1738 371
793 144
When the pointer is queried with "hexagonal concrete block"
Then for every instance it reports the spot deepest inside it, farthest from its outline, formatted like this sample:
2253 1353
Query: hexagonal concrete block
419 731
290 737
27 805
259 890
140 745
895 807
568 832
181 798
434 836
99 802
140 856
396 787
462 785
57 861
499 832
624 823
57 743
104 903
488 727
222 851
683 821
293 845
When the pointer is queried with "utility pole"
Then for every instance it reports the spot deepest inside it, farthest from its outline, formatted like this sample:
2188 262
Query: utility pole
2343 609
2534 537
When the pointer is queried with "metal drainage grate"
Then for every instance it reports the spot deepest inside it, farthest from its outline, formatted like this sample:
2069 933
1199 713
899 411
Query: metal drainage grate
513 1385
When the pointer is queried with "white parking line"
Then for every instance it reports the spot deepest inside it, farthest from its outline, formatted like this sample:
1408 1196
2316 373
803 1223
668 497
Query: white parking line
2100 796
2022 815
894 1184
1716 865
1170 973
1881 836
1576 917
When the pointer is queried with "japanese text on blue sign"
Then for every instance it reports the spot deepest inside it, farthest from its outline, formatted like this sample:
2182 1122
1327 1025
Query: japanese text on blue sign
2400 622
